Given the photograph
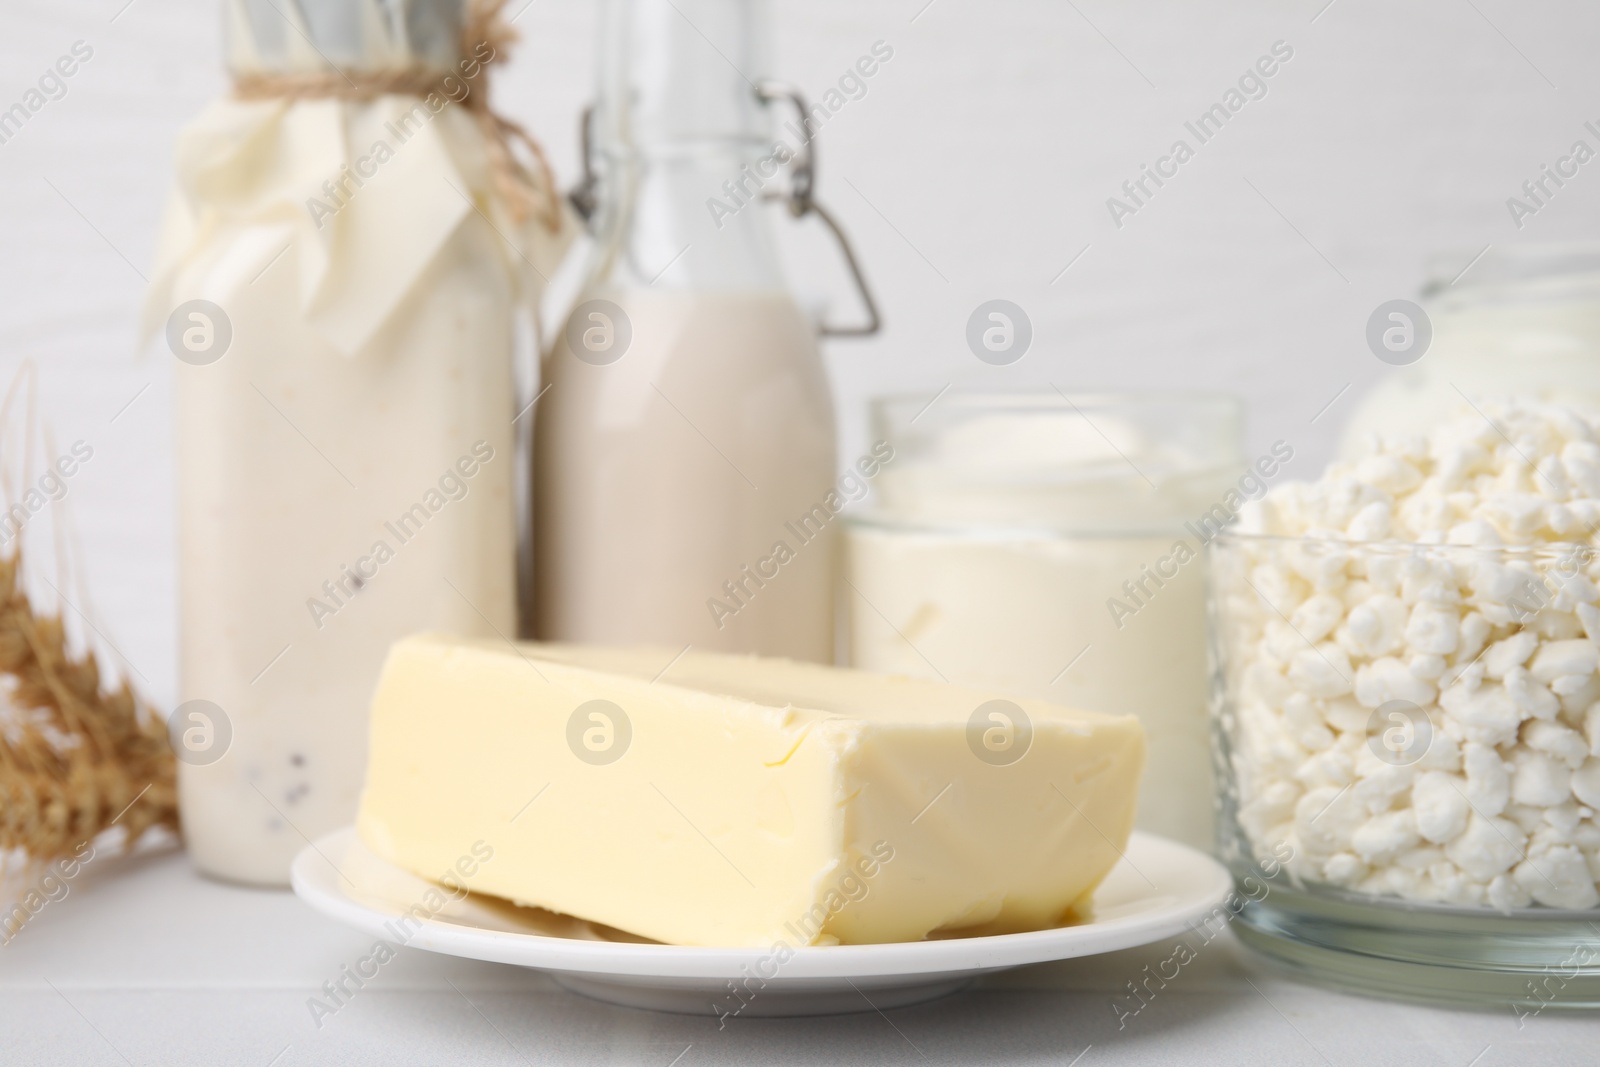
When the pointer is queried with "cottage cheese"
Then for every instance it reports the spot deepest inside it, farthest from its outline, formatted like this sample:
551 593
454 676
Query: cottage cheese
1410 658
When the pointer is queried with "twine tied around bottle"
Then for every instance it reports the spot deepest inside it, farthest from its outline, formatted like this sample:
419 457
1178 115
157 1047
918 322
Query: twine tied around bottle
484 30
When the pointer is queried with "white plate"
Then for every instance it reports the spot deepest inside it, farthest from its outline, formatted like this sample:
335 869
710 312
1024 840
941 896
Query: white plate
1159 889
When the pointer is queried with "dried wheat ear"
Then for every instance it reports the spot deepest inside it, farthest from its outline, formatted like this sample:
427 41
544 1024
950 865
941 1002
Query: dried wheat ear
74 760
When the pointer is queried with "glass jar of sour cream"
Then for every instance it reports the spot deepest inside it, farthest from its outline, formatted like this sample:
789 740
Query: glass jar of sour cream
1050 546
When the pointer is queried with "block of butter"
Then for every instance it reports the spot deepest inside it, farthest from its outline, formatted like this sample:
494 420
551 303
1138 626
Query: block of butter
722 800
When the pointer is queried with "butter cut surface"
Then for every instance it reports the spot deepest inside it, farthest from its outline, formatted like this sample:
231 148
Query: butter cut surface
727 800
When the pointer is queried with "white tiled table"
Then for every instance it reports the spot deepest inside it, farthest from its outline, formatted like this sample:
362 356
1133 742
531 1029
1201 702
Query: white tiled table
144 962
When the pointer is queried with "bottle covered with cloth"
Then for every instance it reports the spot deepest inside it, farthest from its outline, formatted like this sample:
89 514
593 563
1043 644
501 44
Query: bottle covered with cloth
346 255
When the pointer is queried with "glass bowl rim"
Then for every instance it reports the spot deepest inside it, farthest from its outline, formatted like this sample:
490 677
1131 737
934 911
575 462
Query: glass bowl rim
1552 548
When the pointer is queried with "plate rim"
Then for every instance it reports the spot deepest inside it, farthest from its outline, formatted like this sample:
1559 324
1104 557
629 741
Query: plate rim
622 960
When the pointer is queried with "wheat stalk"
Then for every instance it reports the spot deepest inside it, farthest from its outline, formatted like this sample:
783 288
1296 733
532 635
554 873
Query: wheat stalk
74 760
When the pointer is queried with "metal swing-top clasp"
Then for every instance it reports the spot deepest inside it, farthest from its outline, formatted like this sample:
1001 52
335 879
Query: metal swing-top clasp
799 199
802 184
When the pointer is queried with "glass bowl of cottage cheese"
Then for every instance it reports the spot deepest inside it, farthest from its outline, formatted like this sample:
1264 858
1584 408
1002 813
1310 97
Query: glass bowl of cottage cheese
1406 708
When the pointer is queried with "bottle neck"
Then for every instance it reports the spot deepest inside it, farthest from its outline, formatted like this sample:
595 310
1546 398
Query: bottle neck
680 136
314 36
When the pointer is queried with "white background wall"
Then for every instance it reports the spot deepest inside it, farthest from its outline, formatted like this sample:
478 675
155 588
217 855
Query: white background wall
980 160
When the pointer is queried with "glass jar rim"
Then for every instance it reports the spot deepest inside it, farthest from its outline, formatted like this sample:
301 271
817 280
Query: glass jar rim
1459 270
1037 399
